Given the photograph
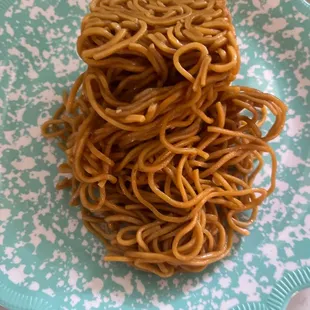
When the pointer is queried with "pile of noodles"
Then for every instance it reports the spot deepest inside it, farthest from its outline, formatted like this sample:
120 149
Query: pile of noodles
161 150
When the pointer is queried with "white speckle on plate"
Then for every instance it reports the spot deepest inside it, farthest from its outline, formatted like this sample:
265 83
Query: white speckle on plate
83 4
73 278
288 251
16 274
34 286
140 287
294 126
159 304
190 286
298 199
277 24
4 214
118 298
248 286
225 282
229 304
290 160
229 264
125 282
95 285
25 163
49 291
74 300
9 29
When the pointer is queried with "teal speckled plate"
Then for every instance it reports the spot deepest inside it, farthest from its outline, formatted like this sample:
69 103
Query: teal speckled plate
47 258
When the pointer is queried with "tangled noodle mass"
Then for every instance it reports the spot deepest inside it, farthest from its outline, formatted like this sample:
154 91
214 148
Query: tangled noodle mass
161 150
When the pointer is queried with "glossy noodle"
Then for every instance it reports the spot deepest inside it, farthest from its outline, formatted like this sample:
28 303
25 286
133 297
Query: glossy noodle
161 150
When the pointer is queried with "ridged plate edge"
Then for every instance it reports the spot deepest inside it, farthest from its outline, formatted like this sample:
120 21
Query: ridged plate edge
4 5
251 306
20 301
290 284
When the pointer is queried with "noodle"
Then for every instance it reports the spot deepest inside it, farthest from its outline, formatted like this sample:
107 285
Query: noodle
161 150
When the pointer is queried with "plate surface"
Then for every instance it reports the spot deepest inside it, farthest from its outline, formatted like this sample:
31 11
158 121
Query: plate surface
47 258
